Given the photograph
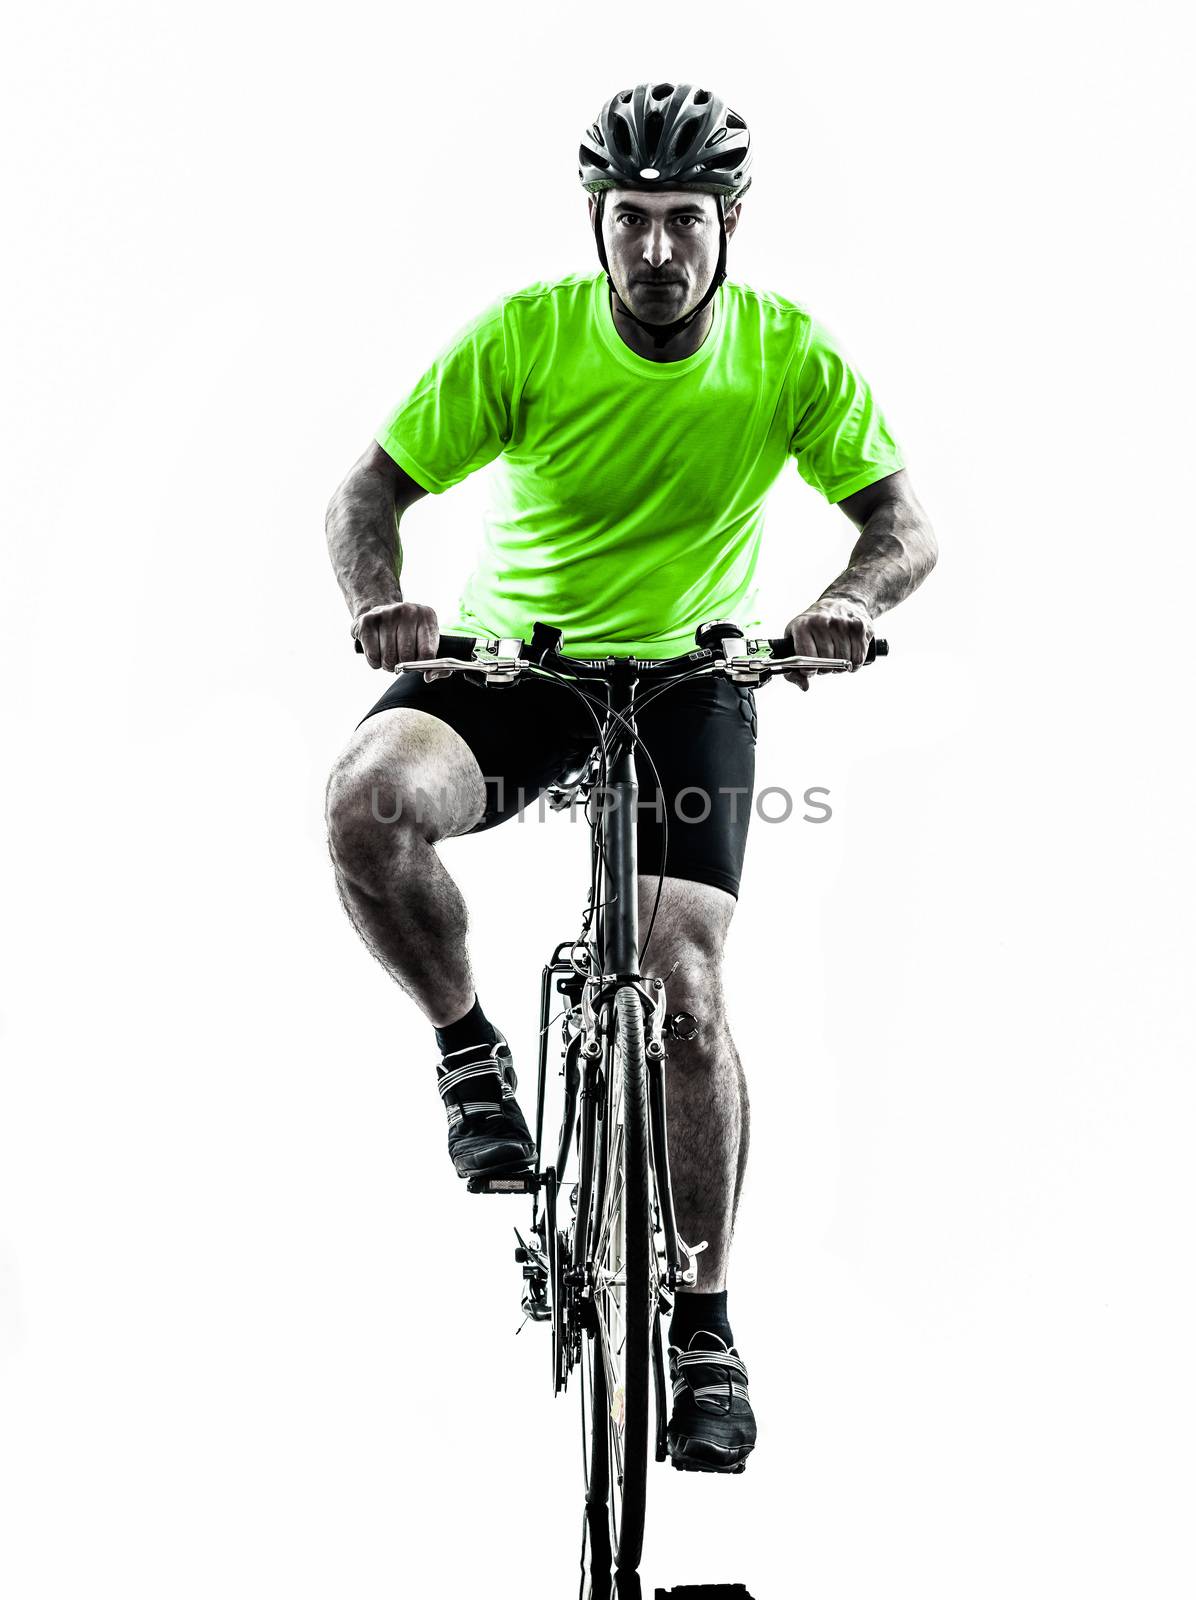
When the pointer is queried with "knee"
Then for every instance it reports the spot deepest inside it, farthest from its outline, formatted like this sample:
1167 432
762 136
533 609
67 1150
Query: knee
368 819
696 987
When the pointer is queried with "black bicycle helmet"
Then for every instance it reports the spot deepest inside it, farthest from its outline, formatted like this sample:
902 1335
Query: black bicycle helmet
667 136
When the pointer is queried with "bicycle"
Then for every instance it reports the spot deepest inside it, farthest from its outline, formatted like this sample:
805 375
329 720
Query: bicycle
605 1279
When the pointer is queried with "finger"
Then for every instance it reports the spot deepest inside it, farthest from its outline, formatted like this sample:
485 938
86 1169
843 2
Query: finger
427 635
388 642
368 635
857 635
841 643
833 648
866 639
801 679
817 643
802 635
857 644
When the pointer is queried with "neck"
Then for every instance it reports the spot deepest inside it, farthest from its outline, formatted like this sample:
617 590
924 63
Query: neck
683 343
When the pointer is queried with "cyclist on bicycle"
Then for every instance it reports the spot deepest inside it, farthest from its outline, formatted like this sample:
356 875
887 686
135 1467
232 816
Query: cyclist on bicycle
639 415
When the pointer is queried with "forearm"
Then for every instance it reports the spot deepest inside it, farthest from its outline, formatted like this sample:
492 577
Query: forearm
363 541
895 551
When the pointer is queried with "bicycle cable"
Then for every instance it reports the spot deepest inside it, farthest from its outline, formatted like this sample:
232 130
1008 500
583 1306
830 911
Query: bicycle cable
596 852
618 716
648 698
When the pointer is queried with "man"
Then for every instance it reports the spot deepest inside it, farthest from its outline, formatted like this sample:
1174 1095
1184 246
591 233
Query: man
639 416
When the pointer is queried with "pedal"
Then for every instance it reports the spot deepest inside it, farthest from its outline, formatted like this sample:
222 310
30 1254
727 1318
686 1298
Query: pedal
725 1469
504 1183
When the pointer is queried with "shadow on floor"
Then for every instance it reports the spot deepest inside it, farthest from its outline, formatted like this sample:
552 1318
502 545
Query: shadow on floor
598 1582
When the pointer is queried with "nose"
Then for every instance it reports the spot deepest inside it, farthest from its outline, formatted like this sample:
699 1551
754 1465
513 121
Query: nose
657 249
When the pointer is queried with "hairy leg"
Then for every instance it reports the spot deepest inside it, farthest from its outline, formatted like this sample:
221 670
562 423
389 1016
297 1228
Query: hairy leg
745 1125
705 1088
405 781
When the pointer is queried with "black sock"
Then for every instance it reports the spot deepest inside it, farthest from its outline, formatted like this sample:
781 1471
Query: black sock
472 1028
693 1311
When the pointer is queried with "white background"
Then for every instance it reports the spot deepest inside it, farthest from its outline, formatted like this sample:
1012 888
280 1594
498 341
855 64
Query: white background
253 1338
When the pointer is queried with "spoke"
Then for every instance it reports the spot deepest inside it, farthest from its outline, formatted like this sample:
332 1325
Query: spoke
617 1308
612 1303
613 1388
616 1478
612 1377
614 1194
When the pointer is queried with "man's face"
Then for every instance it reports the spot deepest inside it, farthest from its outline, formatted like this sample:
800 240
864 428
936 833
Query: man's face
662 248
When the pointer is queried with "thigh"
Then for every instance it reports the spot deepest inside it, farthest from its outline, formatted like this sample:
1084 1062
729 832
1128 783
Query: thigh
702 738
520 736
691 923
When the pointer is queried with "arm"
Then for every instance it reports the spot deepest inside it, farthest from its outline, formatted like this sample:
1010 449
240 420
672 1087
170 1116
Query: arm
362 525
895 551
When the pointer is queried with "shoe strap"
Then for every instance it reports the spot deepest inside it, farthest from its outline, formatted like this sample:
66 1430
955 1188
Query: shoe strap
449 1081
487 1065
707 1358
709 1396
713 1391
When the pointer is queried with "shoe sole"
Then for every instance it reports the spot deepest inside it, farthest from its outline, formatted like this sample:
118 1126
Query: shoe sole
689 1456
506 1170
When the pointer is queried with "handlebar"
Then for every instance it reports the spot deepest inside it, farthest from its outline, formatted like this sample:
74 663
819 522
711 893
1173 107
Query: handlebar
510 657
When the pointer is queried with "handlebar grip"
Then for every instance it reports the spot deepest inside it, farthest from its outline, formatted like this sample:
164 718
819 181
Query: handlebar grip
453 645
784 647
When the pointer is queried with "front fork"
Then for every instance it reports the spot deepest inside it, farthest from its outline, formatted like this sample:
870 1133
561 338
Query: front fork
588 1032
596 1024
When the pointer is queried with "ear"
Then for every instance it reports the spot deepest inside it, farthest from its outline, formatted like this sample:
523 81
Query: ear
731 220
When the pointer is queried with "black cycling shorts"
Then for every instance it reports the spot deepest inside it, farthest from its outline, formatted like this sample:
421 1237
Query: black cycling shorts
700 733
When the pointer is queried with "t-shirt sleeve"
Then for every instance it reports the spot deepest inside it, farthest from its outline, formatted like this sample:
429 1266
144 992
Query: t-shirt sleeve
458 416
840 438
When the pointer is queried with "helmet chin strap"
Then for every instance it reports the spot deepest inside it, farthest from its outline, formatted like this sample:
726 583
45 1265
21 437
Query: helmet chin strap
662 332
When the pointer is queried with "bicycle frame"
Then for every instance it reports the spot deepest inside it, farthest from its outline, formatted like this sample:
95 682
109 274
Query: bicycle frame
612 962
618 937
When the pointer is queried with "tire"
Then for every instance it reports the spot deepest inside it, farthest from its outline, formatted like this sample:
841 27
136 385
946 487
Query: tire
593 1426
622 1345
593 1376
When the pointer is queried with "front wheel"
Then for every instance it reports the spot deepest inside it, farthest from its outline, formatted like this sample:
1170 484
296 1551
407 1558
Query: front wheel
622 1254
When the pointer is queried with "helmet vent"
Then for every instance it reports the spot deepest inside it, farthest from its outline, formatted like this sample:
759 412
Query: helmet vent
662 91
701 97
716 137
593 159
653 125
621 134
596 135
684 139
734 120
724 159
625 97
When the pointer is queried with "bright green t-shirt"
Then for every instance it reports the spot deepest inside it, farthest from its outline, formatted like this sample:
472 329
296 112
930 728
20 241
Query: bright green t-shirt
628 495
